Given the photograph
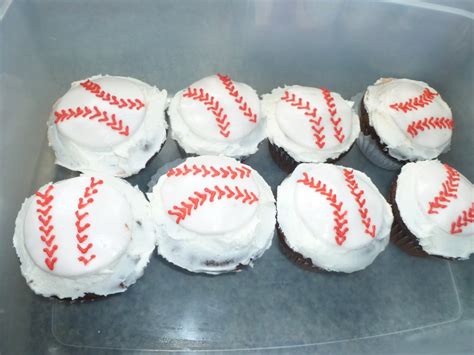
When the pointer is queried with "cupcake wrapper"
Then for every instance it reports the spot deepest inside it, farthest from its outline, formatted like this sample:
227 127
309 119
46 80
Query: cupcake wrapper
400 235
284 161
369 147
294 256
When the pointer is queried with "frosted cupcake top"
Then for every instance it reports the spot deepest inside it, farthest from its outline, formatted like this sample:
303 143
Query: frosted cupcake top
213 214
311 124
410 118
217 115
333 215
436 204
87 234
108 124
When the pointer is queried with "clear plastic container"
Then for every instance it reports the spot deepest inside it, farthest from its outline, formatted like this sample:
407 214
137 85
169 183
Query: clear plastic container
398 304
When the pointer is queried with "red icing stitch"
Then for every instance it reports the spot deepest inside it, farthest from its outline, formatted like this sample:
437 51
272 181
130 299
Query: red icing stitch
96 89
92 114
243 106
81 225
316 126
448 191
340 221
415 103
46 226
429 123
463 220
333 112
203 170
358 193
185 208
212 105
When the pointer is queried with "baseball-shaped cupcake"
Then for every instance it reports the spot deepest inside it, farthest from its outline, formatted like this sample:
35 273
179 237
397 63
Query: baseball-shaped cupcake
218 116
332 218
308 125
433 205
214 214
403 120
84 237
108 124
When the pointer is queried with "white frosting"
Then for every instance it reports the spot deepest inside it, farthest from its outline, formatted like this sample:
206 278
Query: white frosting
393 125
418 185
217 234
94 141
117 237
222 125
289 124
308 218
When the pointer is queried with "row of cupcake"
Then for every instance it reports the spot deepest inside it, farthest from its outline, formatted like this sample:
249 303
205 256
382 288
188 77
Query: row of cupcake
114 125
93 236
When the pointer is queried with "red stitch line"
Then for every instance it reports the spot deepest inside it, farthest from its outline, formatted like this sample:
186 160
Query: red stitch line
415 103
358 193
448 191
429 123
91 114
243 105
333 112
212 105
203 170
46 225
339 214
82 226
96 89
316 126
463 220
193 202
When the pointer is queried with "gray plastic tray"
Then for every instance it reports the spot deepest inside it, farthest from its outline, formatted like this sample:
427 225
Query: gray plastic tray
400 304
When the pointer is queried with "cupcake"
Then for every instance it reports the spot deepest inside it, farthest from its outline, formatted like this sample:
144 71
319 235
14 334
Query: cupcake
218 116
84 237
308 125
108 124
403 120
433 205
213 215
332 218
